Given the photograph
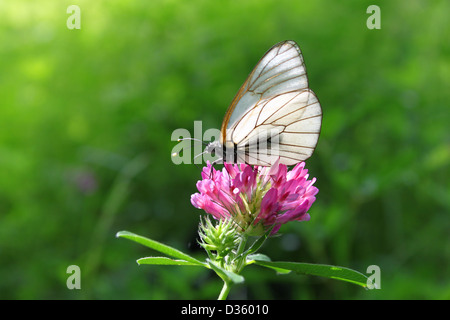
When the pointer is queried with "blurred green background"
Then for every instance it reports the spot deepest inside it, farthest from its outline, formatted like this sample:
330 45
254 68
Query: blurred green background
86 118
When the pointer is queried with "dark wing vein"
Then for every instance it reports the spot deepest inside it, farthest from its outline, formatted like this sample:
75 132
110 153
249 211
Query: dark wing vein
279 64
262 70
295 110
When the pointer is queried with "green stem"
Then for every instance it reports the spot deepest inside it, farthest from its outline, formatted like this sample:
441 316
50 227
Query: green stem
240 250
225 290
241 247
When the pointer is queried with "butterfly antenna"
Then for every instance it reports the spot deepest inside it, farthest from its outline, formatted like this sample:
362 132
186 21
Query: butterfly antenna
193 139
200 154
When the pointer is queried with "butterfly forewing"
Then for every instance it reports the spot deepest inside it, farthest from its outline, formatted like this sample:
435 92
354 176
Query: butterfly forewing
280 68
275 114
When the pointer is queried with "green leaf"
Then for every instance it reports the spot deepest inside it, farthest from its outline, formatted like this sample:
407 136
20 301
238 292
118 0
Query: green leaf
225 274
259 242
334 272
257 256
158 246
165 261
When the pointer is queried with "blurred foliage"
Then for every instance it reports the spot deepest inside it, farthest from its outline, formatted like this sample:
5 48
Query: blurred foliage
86 118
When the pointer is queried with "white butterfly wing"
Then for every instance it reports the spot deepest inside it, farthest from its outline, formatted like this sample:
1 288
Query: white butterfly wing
274 114
280 70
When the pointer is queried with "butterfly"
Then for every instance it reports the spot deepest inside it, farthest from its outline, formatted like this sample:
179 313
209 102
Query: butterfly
274 116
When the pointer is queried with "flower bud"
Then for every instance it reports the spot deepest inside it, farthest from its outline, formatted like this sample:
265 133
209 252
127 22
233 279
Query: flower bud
218 239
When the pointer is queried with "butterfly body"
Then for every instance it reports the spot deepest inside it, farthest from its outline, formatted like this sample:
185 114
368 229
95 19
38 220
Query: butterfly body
274 116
